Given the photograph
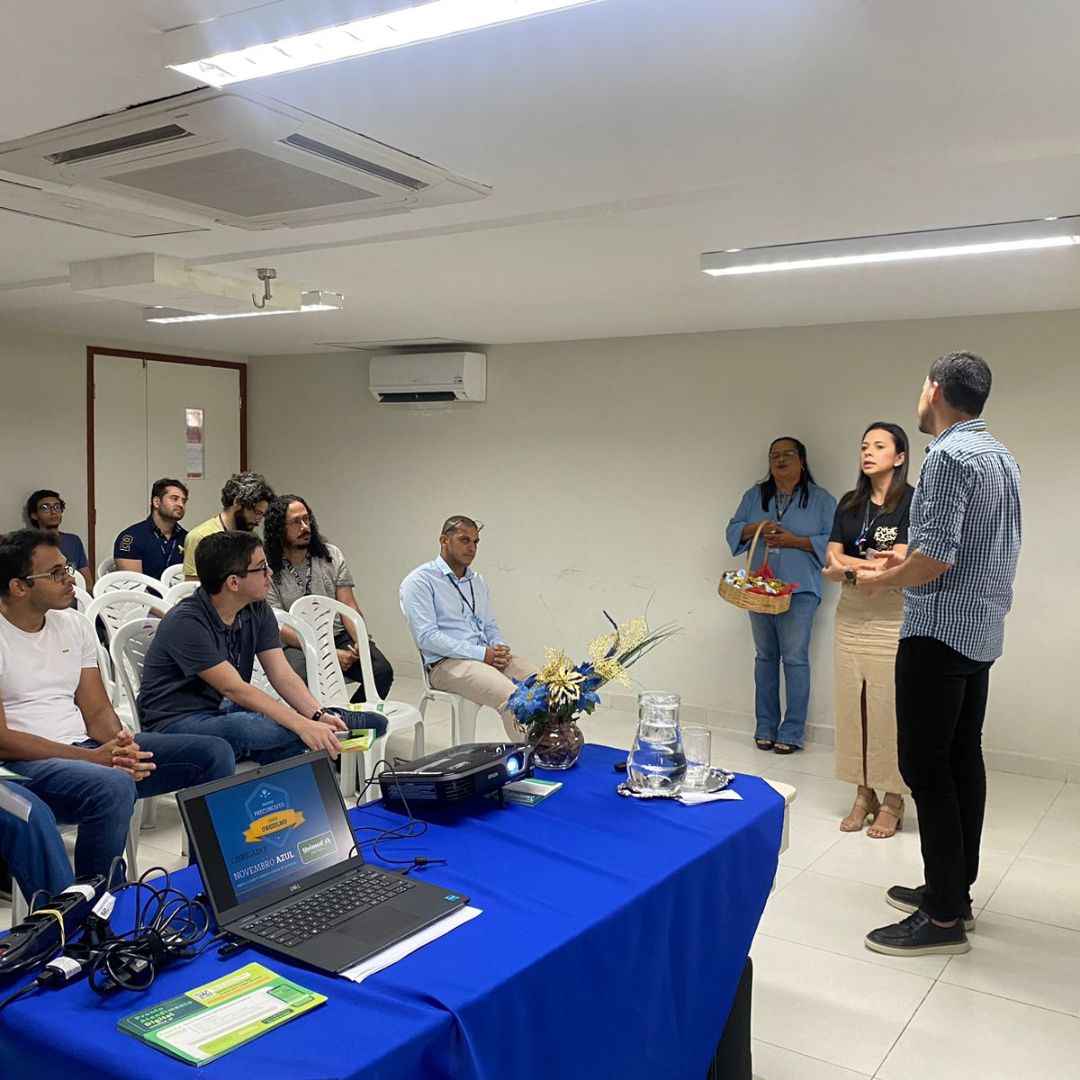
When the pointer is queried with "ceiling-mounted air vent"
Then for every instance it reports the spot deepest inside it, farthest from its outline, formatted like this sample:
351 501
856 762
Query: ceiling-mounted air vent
332 153
236 158
136 141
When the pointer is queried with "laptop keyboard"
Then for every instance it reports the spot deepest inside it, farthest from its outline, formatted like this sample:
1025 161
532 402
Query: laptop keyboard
311 915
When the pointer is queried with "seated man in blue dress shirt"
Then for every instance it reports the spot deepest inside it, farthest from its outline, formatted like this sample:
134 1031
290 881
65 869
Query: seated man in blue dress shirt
152 546
448 608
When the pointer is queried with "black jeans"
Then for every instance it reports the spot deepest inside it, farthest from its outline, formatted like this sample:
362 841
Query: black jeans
940 706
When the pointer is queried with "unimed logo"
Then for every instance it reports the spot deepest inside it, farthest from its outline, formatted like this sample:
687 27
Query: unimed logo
317 847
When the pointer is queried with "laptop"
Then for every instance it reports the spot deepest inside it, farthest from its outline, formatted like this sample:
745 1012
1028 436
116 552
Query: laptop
282 869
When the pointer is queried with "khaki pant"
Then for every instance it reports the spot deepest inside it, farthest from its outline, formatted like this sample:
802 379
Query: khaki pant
480 682
864 659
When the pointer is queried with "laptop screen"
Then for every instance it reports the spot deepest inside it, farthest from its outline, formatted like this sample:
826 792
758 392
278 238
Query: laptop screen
262 836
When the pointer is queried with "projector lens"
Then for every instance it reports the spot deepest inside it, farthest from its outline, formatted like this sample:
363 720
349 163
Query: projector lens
513 764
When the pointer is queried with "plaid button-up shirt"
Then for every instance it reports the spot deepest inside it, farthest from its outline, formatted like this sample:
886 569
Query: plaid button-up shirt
965 512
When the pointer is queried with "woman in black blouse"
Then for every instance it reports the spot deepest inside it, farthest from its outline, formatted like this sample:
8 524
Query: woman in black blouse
871 523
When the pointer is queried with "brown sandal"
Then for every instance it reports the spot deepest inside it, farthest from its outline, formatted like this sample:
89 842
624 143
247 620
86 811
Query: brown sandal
868 808
877 832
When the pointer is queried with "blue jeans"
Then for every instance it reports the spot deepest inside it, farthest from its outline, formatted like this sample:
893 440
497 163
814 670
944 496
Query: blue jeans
99 799
33 849
253 736
783 638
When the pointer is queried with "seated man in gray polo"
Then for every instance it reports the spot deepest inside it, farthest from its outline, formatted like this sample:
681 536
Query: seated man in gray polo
304 564
448 608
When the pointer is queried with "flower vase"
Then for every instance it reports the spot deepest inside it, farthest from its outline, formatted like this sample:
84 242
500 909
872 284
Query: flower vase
556 742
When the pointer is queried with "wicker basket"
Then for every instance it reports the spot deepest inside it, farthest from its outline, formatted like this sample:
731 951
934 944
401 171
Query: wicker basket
762 603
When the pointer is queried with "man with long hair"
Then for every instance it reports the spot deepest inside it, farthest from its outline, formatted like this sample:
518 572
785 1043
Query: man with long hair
304 564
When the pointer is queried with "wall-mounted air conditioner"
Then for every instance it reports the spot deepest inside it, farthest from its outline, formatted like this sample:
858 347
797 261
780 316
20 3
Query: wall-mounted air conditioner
408 378
237 158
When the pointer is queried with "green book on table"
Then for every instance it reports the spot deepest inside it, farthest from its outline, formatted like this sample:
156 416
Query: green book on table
211 1020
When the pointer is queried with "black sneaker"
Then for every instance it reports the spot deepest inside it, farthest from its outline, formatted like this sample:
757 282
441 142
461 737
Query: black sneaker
918 936
910 900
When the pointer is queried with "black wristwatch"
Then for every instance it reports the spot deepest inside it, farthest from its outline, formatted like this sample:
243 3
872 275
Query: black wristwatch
849 575
318 714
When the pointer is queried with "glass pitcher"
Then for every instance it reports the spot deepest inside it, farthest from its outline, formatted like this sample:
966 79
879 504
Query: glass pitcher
657 764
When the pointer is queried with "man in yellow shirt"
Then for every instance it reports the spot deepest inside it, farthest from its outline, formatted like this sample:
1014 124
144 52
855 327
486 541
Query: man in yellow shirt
244 501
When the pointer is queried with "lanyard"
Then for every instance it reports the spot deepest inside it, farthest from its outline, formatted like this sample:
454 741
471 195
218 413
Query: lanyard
471 604
862 543
789 499
168 547
304 585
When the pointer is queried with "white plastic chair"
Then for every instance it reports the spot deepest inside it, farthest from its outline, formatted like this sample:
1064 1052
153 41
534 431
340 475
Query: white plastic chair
180 591
172 575
122 605
82 598
309 645
310 648
106 566
129 580
129 647
462 710
105 668
319 612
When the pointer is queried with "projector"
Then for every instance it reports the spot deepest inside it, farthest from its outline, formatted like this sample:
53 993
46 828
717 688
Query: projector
462 772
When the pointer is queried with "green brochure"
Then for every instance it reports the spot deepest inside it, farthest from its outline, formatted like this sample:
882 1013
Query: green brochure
211 1020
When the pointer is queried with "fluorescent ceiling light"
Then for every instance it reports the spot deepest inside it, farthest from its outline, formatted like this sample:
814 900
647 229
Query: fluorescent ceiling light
268 40
309 301
897 247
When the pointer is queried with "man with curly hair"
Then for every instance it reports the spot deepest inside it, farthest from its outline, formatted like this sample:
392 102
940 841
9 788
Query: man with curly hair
304 564
244 502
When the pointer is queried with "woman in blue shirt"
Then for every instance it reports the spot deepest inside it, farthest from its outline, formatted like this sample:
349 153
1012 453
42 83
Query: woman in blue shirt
798 516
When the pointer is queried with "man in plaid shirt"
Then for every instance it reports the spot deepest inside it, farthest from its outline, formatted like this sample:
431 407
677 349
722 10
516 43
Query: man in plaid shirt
963 546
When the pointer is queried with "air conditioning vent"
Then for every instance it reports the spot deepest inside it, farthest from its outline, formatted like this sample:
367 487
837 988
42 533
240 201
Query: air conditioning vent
233 157
154 137
416 397
331 153
242 183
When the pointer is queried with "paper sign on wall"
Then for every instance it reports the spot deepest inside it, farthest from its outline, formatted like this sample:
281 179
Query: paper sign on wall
195 444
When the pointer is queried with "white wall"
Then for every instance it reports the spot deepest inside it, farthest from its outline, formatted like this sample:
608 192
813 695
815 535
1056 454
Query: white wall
43 421
606 471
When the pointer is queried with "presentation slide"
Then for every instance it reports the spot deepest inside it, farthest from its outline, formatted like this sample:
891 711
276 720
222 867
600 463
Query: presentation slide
272 832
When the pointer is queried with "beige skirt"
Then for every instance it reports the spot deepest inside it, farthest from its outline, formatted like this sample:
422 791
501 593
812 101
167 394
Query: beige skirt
864 658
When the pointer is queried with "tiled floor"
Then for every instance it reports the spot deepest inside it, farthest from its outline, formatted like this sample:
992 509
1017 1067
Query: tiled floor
825 1008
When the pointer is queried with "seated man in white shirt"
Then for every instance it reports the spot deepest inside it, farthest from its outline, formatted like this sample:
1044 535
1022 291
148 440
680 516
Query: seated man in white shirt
57 725
448 608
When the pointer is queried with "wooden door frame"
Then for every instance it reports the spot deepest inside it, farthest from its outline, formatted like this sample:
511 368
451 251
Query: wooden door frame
92 352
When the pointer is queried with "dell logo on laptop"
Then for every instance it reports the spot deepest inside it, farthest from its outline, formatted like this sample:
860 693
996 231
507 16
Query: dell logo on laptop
293 888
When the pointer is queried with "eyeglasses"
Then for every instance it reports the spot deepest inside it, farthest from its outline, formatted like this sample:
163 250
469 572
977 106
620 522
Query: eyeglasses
263 569
305 520
59 574
783 455
52 508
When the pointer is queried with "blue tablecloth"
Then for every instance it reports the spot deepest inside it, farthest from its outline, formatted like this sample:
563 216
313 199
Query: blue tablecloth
613 937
